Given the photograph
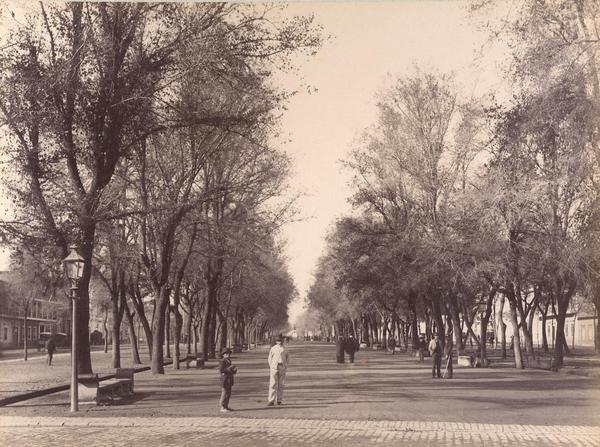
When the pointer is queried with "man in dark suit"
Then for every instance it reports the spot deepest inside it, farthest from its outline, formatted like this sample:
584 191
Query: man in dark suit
339 349
50 349
351 347
227 370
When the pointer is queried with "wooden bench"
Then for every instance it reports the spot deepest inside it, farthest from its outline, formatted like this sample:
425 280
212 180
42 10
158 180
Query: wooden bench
92 390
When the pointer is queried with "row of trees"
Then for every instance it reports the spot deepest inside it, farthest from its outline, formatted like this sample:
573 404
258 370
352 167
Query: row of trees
144 133
460 209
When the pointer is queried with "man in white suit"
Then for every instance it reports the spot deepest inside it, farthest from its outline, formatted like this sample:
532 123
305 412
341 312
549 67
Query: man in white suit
278 362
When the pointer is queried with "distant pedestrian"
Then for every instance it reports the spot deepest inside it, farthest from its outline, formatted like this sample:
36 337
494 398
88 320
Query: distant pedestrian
422 346
50 349
435 349
339 350
227 370
448 357
351 346
392 344
278 363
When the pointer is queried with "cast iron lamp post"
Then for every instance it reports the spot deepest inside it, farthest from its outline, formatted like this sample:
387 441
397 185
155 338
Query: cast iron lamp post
73 264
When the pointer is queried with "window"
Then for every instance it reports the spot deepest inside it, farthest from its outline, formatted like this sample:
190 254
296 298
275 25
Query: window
5 333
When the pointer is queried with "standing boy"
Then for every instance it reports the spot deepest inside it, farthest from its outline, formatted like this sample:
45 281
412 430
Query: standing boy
227 370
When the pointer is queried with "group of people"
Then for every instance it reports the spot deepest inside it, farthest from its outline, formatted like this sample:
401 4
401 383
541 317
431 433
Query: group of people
278 362
343 346
279 358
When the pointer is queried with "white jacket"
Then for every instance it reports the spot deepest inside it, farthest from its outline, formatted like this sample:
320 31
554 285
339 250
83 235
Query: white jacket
278 355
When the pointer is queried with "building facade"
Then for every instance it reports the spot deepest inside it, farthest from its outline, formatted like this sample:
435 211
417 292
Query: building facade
43 315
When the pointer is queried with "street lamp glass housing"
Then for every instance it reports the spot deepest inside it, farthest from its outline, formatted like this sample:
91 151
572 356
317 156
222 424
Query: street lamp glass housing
73 264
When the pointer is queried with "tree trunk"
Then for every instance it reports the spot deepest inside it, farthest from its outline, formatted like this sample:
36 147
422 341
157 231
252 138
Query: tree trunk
223 330
414 324
212 333
168 331
196 339
188 331
135 353
544 313
25 347
437 317
457 332
204 331
105 330
136 299
88 230
118 298
484 325
573 332
365 330
502 326
158 329
562 300
516 335
525 329
116 342
596 329
178 329
560 341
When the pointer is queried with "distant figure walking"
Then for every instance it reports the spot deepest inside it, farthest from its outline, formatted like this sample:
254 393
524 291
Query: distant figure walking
227 370
278 362
392 344
422 345
351 346
448 356
50 349
435 349
339 350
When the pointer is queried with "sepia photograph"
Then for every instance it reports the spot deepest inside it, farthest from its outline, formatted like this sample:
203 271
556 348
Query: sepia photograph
300 223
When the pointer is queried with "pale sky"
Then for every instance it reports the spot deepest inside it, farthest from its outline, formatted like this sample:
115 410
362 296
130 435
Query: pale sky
371 42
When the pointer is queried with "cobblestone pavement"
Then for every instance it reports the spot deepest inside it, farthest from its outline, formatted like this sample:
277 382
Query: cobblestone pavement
241 432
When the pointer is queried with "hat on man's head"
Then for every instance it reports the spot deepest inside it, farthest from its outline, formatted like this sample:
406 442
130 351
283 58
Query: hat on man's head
226 351
279 338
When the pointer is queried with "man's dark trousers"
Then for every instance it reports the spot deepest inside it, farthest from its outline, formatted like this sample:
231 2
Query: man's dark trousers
437 365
